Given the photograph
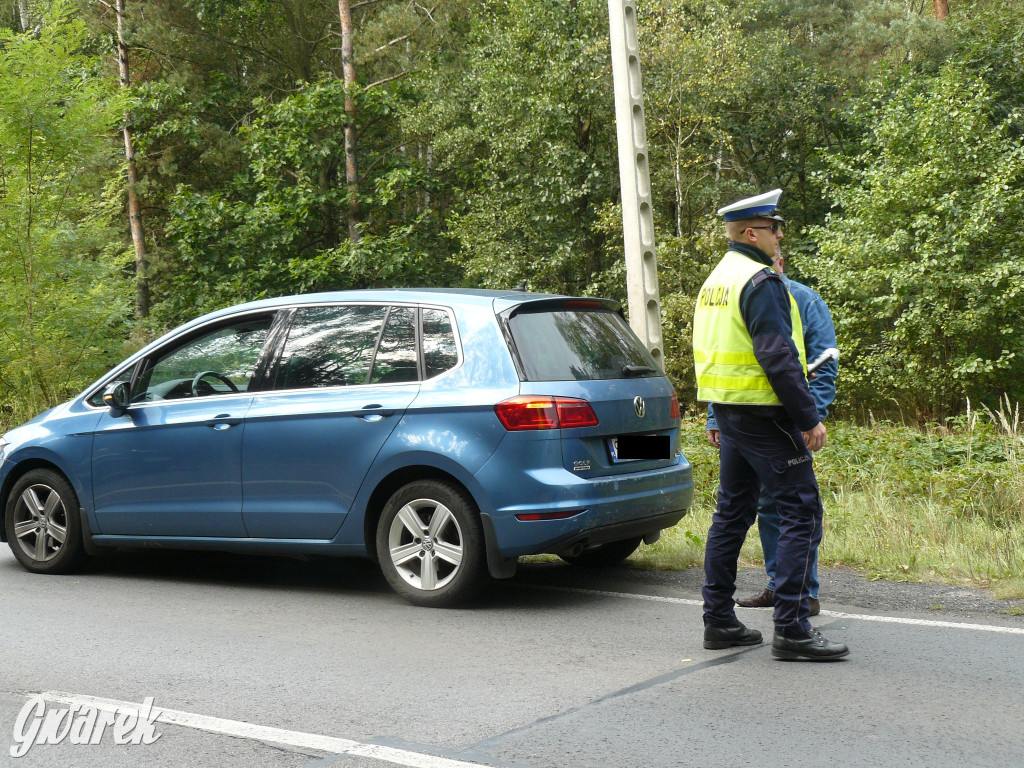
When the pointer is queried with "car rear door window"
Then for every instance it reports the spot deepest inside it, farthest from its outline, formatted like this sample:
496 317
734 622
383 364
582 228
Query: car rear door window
330 346
577 345
440 352
396 353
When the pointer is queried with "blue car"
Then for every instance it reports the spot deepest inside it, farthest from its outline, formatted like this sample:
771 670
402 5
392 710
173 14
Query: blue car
442 433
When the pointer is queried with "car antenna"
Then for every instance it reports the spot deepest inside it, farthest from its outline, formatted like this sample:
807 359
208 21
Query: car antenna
521 287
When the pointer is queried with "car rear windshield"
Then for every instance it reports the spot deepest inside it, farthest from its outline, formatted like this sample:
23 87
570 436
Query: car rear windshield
577 345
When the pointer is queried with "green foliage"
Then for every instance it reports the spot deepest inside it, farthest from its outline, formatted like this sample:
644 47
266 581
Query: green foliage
279 227
989 39
939 503
970 469
920 261
203 71
486 153
522 130
743 97
62 299
696 68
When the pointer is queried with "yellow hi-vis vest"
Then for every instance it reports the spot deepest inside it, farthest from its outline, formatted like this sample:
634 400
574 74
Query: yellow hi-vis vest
723 352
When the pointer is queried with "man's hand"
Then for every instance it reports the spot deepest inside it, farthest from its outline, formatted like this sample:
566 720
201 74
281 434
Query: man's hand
714 438
815 439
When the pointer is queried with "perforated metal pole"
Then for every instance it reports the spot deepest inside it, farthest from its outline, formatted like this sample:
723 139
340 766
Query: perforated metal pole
635 179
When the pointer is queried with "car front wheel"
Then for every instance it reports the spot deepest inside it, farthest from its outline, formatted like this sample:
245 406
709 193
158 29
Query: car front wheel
430 544
42 523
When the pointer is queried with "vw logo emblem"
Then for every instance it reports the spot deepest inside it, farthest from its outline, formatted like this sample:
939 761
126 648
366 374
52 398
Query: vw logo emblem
639 407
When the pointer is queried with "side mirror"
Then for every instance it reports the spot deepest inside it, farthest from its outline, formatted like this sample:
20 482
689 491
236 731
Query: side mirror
117 397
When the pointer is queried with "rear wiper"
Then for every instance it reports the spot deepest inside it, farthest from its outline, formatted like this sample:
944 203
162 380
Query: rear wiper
638 370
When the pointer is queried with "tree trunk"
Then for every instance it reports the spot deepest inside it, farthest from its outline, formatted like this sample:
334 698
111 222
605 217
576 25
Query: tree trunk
24 16
941 9
348 68
679 179
134 208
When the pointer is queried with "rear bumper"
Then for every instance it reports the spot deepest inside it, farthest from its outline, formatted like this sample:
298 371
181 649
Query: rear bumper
633 529
607 509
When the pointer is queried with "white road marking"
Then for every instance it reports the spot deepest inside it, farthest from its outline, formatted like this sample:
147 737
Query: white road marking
245 730
926 622
833 614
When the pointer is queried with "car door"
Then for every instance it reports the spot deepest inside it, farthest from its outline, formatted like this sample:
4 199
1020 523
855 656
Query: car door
170 465
345 376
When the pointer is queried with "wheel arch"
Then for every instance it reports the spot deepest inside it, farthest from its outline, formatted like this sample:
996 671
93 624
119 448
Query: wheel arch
499 567
386 488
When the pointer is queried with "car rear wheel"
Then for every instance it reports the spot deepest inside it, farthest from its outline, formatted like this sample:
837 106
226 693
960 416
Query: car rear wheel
602 555
42 523
430 544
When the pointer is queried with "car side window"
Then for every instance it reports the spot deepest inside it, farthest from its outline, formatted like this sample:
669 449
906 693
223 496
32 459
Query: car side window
396 354
330 347
440 352
220 362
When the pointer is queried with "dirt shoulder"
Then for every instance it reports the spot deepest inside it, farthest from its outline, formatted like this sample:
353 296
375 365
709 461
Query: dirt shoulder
842 589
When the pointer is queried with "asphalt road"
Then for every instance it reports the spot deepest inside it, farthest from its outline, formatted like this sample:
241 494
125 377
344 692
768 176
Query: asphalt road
560 667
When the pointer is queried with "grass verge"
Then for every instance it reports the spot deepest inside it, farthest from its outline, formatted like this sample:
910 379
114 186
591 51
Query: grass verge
944 503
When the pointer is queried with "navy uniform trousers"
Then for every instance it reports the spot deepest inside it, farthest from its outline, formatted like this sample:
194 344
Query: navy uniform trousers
762 446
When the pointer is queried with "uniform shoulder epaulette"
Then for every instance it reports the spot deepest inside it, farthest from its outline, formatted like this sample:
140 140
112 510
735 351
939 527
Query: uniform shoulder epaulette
765 274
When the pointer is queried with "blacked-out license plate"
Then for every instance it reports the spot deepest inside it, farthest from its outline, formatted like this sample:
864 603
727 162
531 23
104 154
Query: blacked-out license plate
639 447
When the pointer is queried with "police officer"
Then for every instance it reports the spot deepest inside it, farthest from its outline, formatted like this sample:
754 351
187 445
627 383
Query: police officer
819 336
750 363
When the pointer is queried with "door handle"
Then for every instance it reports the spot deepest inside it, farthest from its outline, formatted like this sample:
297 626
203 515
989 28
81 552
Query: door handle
223 421
375 412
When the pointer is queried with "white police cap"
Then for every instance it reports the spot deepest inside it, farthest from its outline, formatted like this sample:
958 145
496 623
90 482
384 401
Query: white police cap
759 206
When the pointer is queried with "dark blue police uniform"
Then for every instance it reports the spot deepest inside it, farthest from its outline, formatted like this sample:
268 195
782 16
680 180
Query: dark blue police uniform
763 445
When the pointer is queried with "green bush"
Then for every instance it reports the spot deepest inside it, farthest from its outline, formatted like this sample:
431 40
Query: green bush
944 502
920 261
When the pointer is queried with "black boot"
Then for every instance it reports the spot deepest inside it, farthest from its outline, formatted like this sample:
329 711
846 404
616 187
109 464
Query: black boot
717 638
809 646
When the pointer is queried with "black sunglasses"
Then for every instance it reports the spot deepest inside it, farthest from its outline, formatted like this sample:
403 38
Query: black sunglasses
774 227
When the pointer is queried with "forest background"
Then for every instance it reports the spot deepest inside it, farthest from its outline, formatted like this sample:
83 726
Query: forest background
162 158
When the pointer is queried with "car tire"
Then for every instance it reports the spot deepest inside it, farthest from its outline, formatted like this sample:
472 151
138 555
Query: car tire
430 544
43 525
603 555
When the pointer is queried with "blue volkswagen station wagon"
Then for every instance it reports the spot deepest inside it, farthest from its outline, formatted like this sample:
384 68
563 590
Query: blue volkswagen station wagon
442 433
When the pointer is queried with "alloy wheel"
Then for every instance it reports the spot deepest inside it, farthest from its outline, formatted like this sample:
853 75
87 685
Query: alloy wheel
426 545
40 523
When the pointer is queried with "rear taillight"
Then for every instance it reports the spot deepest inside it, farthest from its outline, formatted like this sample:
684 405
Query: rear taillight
544 412
673 408
575 413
